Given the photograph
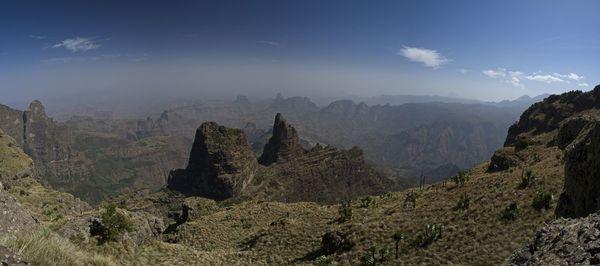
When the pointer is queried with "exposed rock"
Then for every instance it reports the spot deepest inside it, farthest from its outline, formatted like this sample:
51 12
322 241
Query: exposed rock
221 164
14 218
284 145
563 242
8 258
570 129
503 159
581 192
547 115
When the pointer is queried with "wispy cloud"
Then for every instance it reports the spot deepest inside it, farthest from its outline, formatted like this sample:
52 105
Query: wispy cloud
78 44
37 37
545 78
583 84
463 70
102 57
571 76
515 77
495 73
508 76
271 43
428 57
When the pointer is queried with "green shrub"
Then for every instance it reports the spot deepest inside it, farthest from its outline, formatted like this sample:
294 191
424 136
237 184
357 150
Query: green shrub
367 202
370 257
522 143
510 212
461 178
463 202
114 224
345 211
527 179
541 200
397 237
429 234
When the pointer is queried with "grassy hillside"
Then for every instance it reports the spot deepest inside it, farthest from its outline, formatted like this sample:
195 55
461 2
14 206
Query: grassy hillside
272 233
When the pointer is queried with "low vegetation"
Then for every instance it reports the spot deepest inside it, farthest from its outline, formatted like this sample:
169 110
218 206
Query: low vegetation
541 200
44 248
510 213
114 224
345 211
429 234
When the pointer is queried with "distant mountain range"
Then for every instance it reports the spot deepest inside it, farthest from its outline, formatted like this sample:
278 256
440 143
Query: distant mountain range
95 157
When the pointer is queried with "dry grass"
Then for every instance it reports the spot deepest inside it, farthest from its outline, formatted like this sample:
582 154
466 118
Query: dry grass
270 233
44 248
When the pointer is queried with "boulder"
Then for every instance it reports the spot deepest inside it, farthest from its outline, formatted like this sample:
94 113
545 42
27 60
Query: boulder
563 242
503 159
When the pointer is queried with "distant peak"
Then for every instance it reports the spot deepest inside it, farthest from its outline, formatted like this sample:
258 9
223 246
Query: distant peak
36 107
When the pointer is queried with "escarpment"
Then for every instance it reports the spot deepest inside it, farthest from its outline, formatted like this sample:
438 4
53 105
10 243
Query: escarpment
222 166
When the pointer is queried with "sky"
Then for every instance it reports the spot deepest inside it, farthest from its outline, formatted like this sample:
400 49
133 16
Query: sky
487 50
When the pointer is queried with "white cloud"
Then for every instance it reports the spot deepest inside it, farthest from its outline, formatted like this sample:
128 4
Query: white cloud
78 44
511 77
575 77
37 37
268 43
497 73
463 71
583 84
545 78
429 58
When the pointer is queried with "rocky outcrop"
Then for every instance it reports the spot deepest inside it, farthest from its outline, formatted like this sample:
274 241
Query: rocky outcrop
563 242
547 115
221 164
570 129
581 192
284 145
8 258
37 134
14 218
503 159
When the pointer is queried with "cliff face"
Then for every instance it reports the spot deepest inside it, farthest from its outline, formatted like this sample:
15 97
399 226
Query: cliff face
222 166
581 192
284 145
35 132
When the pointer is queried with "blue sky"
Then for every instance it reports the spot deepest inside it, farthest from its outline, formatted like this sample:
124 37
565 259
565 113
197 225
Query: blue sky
488 50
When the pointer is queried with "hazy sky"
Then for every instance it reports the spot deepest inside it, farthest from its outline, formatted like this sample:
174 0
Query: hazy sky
487 50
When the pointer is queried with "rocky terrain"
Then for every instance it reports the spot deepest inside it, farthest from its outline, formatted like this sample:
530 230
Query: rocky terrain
223 166
263 209
93 159
403 138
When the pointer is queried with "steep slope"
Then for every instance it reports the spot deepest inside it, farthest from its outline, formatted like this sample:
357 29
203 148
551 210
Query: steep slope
222 166
284 144
274 233
94 159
